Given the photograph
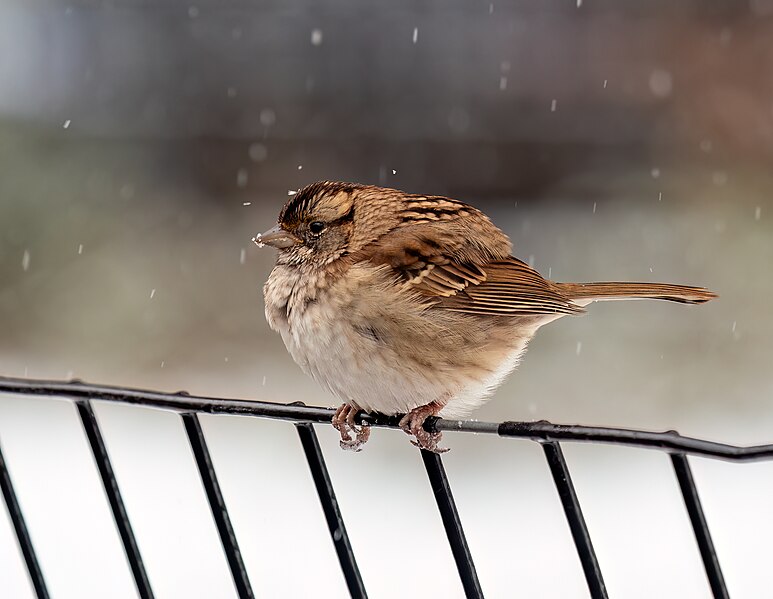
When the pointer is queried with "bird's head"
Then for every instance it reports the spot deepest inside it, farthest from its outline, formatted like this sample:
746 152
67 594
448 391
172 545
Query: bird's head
327 220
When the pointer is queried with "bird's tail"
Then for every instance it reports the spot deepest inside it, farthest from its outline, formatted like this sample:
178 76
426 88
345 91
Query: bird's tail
585 293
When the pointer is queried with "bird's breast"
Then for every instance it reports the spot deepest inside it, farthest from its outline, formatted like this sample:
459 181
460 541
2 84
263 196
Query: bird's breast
375 344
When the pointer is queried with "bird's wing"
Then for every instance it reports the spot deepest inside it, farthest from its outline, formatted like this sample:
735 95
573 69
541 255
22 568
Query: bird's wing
503 287
466 279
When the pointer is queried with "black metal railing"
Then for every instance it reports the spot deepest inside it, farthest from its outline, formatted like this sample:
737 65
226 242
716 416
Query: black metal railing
549 435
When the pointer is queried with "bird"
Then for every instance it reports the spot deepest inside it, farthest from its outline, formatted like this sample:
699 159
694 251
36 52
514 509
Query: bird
412 305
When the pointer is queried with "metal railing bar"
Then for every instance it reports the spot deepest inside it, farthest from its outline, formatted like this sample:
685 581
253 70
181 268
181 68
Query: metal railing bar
181 401
110 484
699 525
331 509
217 505
670 441
576 520
22 533
453 525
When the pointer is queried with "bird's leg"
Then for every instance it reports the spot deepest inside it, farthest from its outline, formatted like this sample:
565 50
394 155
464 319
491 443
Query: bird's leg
362 432
339 423
413 424
343 422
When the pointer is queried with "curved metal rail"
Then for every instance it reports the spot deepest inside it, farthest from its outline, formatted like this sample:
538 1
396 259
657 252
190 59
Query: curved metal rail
548 434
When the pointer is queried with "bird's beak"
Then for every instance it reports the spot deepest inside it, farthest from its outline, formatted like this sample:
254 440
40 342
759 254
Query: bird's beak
276 237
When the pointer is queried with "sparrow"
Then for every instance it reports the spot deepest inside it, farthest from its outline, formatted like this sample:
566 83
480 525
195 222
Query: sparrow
409 304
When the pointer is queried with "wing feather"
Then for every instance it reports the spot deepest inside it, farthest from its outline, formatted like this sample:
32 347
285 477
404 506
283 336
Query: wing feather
438 252
505 286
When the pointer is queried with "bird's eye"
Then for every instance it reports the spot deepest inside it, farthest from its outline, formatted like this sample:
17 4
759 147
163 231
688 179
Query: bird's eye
317 227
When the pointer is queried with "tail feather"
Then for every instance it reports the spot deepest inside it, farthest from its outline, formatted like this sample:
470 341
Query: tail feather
585 293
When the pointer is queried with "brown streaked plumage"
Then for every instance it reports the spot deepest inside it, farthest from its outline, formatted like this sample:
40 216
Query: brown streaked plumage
408 304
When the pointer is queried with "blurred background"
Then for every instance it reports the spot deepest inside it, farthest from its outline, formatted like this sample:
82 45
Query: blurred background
142 145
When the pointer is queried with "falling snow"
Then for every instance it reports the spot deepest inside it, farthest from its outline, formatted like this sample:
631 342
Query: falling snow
553 105
415 34
25 261
267 117
242 256
152 293
80 249
126 191
66 124
316 37
257 152
661 83
579 348
758 213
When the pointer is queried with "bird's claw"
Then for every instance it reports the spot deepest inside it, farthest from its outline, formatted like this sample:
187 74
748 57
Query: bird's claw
343 422
413 424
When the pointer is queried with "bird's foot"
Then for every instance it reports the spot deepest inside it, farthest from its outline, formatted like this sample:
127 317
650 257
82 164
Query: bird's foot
343 422
413 424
